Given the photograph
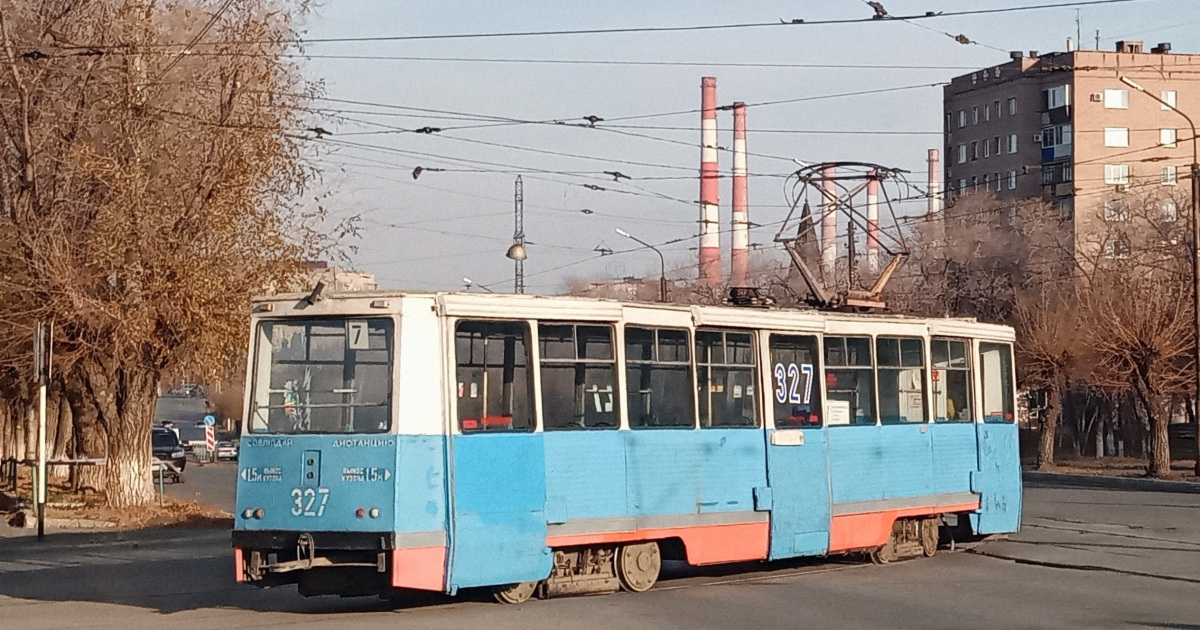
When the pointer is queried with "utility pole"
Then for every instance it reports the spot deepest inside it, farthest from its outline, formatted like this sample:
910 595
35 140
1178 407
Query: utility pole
1195 255
1078 28
518 256
43 341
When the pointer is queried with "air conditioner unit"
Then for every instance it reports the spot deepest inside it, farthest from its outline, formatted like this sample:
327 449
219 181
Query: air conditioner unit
1037 137
1097 97
1122 188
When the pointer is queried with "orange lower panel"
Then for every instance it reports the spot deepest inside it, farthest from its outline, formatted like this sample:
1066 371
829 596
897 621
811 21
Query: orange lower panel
864 531
707 544
422 568
238 574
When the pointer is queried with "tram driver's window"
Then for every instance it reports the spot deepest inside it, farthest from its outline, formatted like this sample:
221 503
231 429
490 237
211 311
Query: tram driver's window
795 364
658 375
901 375
996 368
951 381
849 381
726 372
579 376
492 372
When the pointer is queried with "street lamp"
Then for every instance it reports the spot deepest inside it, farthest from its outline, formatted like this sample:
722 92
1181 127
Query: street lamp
1195 246
662 276
470 282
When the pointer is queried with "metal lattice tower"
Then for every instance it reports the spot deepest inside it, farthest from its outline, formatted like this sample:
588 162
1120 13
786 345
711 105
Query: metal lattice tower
519 234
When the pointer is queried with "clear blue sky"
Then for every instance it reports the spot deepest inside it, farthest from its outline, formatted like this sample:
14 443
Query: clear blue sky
430 233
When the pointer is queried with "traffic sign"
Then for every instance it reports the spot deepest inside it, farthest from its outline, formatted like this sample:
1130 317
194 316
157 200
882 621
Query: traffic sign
210 438
210 420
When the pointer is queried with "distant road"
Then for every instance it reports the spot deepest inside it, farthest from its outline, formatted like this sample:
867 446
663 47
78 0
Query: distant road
214 484
1085 558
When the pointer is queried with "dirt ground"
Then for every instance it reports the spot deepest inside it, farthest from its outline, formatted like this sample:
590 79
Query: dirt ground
1181 469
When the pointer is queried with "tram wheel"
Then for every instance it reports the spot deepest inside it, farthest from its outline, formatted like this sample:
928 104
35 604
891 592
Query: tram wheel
929 536
886 552
518 593
638 566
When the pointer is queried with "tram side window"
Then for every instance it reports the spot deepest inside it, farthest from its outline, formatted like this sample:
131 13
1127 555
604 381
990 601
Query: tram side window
494 388
901 369
725 375
995 363
951 381
794 368
849 381
578 376
658 374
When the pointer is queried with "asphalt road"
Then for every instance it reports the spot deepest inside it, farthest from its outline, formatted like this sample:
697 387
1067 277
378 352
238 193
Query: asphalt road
1085 559
212 483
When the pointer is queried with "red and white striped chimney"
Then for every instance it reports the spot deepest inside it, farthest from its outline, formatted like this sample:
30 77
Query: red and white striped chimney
739 259
710 218
873 222
935 185
828 221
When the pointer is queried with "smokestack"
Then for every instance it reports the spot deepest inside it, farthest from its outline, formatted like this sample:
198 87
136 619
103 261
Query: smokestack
1070 44
873 222
828 221
710 218
739 260
935 185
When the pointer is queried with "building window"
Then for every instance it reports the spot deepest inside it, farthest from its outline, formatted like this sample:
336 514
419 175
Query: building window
974 183
974 151
962 154
962 119
849 381
998 181
1116 99
962 186
985 74
951 381
1012 143
1116 246
1116 136
1056 97
974 115
974 78
949 122
579 377
1012 180
1068 173
986 184
987 149
998 110
1064 206
1169 175
795 366
495 392
726 372
1170 213
1168 96
1116 210
1167 137
658 374
996 142
987 113
901 376
1116 174
1012 106
1048 174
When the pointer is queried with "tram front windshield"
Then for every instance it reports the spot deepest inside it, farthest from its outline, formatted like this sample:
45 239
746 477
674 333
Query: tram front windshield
322 376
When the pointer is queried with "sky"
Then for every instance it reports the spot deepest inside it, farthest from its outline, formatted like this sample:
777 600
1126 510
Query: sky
431 232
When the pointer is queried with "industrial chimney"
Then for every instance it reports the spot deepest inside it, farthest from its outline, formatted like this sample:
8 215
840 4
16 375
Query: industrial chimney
872 222
829 197
710 220
935 184
739 260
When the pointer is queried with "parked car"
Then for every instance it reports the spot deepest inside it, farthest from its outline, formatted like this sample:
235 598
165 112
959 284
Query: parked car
168 453
227 450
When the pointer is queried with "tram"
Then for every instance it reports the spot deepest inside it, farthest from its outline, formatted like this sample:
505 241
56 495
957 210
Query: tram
539 446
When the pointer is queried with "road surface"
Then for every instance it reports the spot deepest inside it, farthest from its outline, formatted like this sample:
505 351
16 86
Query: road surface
1085 559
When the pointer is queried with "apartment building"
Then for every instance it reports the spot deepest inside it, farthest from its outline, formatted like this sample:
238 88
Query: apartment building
1064 127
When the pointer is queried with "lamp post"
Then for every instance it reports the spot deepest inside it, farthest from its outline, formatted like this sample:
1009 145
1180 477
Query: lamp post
1195 252
662 276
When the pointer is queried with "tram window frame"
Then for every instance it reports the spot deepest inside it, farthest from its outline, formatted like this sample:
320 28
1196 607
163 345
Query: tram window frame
952 371
521 411
581 360
842 359
894 357
734 364
1004 372
663 361
793 401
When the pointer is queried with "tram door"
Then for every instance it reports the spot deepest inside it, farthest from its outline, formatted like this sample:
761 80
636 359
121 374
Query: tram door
498 527
797 449
998 481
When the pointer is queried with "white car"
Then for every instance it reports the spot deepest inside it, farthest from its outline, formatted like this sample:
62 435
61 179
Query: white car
226 450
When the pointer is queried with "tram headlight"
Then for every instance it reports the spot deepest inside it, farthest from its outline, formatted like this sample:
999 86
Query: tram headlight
247 513
258 514
360 512
374 512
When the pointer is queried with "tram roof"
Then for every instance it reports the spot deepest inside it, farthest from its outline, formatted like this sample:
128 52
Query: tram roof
560 305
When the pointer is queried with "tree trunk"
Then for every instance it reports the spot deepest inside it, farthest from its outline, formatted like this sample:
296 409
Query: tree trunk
1195 419
90 440
63 435
125 399
1160 451
1045 457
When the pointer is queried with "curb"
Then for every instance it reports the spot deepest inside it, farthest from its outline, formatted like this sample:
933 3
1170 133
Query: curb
1109 483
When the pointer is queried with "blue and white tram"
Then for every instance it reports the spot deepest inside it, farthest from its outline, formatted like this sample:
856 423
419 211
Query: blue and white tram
545 445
